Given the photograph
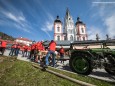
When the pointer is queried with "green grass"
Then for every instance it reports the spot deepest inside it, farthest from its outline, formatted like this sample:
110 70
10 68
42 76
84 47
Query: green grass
20 73
84 78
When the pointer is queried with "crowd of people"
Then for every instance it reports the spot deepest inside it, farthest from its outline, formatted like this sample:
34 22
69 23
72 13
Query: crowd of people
35 52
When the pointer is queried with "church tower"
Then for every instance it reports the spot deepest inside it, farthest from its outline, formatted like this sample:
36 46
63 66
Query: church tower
80 28
58 32
68 27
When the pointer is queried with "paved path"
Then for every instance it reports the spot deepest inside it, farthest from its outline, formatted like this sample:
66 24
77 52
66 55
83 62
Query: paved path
97 73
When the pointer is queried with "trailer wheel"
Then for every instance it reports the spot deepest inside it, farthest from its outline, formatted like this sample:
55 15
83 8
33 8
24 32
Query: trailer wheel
110 67
80 64
110 71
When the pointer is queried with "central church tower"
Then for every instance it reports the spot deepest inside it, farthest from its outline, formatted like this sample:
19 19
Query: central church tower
69 26
69 31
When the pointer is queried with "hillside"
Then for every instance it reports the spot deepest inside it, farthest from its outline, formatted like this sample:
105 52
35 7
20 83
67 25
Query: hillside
6 37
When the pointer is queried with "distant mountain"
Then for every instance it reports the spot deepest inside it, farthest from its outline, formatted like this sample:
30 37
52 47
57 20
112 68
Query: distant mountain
4 36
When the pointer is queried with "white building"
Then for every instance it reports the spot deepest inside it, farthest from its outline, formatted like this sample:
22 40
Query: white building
23 41
69 31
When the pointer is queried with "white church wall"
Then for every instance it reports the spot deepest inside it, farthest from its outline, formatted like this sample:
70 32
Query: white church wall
60 29
82 32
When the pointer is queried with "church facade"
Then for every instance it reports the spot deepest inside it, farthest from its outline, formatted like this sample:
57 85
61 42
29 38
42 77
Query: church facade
69 31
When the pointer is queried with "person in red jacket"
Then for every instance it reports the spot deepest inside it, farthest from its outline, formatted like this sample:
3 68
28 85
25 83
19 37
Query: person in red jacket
12 51
61 52
17 49
3 46
52 47
25 51
39 49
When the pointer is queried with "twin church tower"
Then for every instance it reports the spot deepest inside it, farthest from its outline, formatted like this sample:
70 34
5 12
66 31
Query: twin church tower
70 31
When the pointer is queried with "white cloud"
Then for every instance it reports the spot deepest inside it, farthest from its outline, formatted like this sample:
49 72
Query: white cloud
19 21
46 33
93 31
106 14
110 23
48 25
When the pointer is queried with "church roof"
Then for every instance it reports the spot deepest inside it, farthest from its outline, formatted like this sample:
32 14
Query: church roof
78 21
58 20
59 43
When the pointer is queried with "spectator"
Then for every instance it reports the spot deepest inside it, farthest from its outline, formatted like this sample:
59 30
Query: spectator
12 51
61 52
29 49
3 46
25 51
17 49
32 52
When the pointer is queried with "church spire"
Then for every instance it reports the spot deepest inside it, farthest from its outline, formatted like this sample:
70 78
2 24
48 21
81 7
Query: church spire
67 12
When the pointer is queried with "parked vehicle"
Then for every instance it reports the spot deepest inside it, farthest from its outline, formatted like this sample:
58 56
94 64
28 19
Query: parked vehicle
88 55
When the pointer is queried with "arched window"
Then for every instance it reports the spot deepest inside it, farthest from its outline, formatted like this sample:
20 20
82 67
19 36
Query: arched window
58 38
64 37
82 29
77 38
58 29
83 38
71 38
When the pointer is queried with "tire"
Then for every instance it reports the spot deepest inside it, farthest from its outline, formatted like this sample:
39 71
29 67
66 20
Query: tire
110 68
80 63
112 72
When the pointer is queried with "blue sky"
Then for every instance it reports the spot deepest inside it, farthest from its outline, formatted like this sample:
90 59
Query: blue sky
34 19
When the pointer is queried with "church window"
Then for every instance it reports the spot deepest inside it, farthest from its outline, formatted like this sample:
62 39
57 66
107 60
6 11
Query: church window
71 38
58 38
77 38
71 31
58 29
83 38
64 37
82 29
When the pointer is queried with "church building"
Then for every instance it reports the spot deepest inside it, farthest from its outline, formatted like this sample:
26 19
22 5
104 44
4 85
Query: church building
69 31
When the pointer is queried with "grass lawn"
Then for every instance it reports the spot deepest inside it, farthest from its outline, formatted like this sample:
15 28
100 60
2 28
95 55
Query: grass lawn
84 78
20 73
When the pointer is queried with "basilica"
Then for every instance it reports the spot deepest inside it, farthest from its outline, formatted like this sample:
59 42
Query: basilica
69 31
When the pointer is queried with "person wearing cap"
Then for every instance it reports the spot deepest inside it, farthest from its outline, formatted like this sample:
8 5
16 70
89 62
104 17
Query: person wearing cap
51 51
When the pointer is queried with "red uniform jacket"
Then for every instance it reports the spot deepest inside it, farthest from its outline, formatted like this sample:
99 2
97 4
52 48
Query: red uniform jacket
3 44
62 50
52 46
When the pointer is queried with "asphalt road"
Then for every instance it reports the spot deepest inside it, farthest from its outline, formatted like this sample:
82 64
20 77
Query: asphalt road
97 73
